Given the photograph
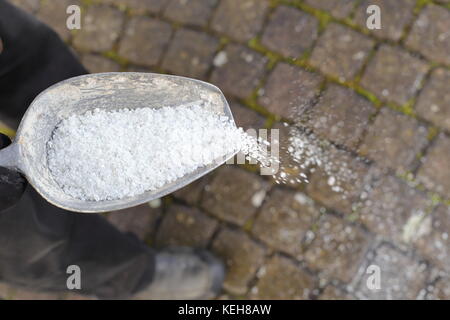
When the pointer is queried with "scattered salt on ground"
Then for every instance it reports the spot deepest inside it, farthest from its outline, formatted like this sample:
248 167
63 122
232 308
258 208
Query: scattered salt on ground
308 153
105 155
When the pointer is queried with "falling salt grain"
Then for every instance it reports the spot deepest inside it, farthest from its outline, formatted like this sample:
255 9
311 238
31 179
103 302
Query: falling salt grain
331 181
221 59
258 198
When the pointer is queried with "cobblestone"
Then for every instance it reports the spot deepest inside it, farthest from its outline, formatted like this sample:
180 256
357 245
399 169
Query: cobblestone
434 101
433 240
401 277
242 256
394 140
231 195
54 14
338 8
140 220
144 40
184 226
290 32
395 16
190 54
389 205
352 185
280 278
434 173
289 89
284 220
96 64
242 72
139 6
333 293
341 52
430 34
193 12
241 20
341 116
394 74
192 193
440 290
337 249
100 30
245 117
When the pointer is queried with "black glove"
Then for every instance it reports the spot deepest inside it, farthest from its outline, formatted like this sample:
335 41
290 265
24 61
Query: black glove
12 183
33 59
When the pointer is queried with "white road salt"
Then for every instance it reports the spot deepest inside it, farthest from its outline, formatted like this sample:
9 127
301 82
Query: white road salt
105 155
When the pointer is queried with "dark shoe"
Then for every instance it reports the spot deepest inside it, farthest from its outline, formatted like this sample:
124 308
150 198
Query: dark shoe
185 274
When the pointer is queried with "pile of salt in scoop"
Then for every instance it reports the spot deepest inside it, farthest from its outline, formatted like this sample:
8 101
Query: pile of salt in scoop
107 155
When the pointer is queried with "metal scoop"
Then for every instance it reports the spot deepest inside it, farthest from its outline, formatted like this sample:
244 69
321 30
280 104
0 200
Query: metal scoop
110 91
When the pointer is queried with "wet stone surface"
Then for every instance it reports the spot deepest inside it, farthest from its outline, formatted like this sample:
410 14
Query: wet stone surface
136 47
140 220
341 116
434 100
280 278
234 195
190 54
242 256
241 20
352 174
340 52
396 15
394 74
290 32
97 64
338 8
139 6
395 285
101 28
389 207
284 221
337 249
54 14
245 117
333 293
193 12
434 173
440 290
433 239
192 193
184 226
288 89
394 140
241 73
430 34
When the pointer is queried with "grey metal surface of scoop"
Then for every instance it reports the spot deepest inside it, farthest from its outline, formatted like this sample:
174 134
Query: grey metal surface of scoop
110 91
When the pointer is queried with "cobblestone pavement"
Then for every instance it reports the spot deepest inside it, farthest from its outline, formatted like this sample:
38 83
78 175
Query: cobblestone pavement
387 92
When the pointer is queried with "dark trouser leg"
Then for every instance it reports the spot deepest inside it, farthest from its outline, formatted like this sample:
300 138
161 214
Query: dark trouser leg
38 241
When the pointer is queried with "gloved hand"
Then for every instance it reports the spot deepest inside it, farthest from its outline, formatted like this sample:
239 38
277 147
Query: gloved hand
12 183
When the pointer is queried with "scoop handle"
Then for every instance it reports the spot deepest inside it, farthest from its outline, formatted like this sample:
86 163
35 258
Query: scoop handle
9 157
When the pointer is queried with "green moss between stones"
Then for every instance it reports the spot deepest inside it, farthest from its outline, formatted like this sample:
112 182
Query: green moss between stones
113 55
420 4
87 3
432 133
248 225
